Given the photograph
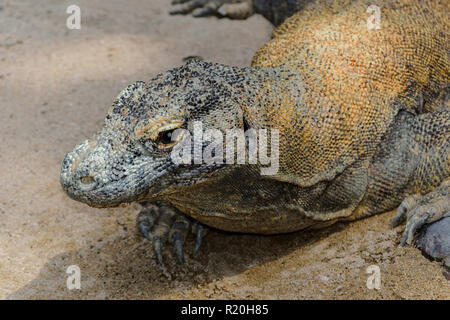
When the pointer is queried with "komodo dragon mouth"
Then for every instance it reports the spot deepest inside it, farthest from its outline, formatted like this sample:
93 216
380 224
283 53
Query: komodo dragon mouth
88 176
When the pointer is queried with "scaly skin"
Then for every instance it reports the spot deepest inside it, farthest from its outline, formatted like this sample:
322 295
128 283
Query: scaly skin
363 124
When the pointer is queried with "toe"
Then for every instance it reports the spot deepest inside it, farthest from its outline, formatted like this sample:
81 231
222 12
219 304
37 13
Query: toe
178 233
199 231
160 223
146 220
157 246
187 7
236 10
412 226
404 207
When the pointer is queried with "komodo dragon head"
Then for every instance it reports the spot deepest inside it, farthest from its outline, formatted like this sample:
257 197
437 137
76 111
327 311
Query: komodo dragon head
130 158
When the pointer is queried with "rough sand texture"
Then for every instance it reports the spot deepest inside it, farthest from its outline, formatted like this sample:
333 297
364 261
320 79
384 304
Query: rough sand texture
55 87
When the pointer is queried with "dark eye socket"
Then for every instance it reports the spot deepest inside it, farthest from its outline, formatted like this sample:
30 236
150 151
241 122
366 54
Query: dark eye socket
165 137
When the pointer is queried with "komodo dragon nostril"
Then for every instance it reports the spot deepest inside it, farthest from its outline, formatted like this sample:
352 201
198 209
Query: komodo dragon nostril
87 183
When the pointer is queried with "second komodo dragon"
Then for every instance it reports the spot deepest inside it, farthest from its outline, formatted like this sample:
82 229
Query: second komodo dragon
361 113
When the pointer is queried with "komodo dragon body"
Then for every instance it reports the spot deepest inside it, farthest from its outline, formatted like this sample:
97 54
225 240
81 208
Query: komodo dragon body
362 118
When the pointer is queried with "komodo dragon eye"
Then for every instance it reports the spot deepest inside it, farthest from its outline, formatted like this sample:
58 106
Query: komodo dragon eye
162 133
165 138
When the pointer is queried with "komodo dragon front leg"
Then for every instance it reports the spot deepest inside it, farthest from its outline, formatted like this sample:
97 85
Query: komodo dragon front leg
412 168
160 222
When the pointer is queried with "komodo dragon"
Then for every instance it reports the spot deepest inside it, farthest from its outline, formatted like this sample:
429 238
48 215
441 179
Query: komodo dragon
360 118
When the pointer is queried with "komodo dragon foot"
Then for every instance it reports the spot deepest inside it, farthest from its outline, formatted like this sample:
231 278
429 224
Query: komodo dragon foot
432 209
234 9
159 222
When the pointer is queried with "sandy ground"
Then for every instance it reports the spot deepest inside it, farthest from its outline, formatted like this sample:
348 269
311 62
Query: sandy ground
55 87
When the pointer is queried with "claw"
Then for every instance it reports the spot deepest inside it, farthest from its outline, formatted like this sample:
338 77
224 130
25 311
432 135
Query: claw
160 223
157 245
199 231
178 243
404 207
400 216
411 228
